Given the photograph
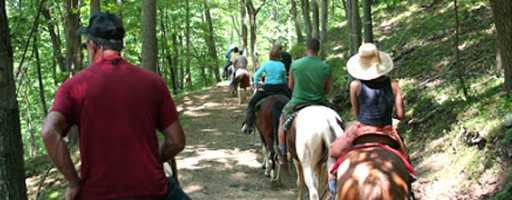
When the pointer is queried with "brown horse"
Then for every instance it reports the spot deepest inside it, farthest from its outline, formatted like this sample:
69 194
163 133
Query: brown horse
267 123
308 141
373 172
239 83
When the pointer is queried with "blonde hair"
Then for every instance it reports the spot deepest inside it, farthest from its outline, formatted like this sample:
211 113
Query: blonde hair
275 53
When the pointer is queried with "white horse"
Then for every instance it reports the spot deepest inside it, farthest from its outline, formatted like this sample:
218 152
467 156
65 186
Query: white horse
240 81
308 140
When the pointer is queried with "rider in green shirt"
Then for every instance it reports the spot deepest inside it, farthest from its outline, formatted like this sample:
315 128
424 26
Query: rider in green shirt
310 80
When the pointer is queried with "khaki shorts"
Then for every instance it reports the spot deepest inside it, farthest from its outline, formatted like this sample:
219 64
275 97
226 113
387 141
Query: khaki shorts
288 110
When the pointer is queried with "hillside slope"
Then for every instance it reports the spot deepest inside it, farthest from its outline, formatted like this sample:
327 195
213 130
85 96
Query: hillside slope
459 145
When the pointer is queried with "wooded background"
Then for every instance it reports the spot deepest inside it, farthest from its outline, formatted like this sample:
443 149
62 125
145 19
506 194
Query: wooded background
183 41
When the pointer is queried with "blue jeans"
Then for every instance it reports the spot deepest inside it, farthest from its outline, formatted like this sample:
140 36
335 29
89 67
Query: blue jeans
174 192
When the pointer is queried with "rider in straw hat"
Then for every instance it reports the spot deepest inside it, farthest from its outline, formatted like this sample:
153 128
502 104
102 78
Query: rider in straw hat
373 95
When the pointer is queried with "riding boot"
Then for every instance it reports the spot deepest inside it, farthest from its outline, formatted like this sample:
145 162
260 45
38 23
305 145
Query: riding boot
248 126
332 187
281 156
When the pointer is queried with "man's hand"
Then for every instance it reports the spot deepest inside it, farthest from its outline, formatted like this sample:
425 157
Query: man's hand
72 193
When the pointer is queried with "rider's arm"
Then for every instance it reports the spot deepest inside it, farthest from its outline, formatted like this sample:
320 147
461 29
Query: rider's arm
174 140
53 134
291 81
355 89
258 74
328 85
399 104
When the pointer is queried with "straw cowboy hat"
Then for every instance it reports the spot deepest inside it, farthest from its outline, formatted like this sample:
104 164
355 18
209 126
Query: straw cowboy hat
369 63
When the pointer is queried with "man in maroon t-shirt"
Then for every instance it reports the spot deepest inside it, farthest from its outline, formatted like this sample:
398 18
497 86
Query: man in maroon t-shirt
117 107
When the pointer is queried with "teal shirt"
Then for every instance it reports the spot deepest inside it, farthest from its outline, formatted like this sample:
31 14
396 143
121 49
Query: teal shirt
275 73
310 74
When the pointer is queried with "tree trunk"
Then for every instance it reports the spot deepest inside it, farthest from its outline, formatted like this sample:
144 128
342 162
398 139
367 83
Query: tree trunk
298 29
252 18
182 68
502 14
323 37
354 26
367 15
149 40
74 57
95 6
40 77
174 66
316 22
243 14
305 15
458 67
188 76
12 169
211 42
61 61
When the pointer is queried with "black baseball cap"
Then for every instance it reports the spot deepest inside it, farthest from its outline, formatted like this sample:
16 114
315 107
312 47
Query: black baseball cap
105 26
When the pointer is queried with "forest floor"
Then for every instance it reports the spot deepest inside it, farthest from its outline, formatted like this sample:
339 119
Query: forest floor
219 161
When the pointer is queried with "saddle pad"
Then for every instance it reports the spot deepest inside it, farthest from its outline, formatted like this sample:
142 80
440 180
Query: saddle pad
407 164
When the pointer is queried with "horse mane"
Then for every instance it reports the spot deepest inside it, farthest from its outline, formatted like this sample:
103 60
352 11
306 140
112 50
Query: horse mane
374 186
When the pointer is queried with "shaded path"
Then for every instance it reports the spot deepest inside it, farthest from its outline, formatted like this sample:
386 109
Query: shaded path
219 162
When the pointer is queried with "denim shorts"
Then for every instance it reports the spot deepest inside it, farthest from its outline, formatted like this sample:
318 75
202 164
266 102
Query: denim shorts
174 192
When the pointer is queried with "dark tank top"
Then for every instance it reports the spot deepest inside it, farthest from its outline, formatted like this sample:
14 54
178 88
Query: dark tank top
376 102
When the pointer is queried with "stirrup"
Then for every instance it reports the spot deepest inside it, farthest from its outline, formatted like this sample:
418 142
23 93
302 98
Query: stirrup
281 159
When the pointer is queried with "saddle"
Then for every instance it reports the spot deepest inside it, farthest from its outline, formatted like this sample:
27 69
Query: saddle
376 139
287 124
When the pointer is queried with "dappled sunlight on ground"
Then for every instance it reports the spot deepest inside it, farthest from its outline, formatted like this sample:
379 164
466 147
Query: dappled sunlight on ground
225 158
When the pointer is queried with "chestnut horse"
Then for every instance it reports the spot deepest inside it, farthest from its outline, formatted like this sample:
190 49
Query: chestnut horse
373 172
308 141
239 83
267 123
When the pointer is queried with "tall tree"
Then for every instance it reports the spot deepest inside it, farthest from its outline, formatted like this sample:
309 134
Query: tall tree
167 54
502 14
95 6
316 22
149 40
323 37
175 64
56 43
354 22
12 169
243 14
188 76
296 19
367 18
252 19
305 14
211 41
73 42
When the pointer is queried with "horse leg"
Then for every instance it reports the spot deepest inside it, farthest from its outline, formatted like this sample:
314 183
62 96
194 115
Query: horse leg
239 94
300 178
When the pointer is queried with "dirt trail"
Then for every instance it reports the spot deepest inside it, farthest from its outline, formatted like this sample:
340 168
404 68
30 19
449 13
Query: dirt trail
219 162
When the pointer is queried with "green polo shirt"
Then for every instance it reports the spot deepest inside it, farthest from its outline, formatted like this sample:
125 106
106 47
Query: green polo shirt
310 74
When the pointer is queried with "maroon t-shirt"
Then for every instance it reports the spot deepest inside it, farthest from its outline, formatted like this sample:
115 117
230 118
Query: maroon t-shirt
117 108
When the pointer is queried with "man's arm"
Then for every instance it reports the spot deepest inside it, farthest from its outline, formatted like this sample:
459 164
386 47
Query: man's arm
328 85
291 81
52 134
174 140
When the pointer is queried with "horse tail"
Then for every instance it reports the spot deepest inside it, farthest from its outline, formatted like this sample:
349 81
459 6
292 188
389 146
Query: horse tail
374 186
336 125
